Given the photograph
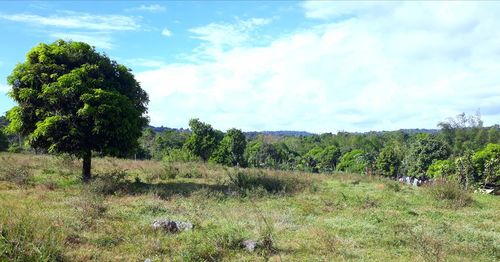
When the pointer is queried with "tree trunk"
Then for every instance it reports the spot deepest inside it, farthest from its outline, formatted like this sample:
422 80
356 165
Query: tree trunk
87 164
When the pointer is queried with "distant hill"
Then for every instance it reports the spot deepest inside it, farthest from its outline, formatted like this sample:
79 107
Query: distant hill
163 129
420 131
287 133
253 134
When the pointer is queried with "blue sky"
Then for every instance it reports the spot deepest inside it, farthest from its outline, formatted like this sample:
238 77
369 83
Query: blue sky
283 65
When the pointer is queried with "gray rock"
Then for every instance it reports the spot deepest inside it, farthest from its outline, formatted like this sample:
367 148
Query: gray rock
250 245
172 226
148 260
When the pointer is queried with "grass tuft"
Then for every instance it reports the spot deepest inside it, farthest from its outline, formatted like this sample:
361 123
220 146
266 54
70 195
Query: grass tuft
21 239
450 193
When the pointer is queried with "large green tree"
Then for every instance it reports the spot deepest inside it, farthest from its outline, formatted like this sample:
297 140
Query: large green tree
73 99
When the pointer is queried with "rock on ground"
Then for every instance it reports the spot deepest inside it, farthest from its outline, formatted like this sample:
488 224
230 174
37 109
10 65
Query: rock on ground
172 226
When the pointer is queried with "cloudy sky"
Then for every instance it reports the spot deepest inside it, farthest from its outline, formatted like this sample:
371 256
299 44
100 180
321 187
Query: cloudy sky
283 65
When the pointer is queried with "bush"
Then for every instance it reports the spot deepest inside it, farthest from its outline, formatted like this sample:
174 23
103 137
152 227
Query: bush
486 164
21 175
441 169
450 192
169 172
109 183
247 181
179 155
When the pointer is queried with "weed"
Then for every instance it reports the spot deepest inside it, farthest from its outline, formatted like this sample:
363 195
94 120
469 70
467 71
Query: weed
91 207
20 175
212 243
430 242
393 185
169 172
450 193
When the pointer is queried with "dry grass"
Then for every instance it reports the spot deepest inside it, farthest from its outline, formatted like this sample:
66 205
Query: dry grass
309 217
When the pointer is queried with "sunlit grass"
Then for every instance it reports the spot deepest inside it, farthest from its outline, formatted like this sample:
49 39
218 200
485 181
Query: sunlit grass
306 217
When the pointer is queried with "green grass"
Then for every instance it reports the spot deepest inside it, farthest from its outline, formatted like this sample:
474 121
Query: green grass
300 216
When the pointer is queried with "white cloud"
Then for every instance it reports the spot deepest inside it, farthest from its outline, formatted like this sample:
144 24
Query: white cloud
337 9
4 88
74 20
411 65
142 62
228 34
99 40
155 8
166 32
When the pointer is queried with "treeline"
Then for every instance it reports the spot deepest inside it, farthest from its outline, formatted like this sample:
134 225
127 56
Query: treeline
463 150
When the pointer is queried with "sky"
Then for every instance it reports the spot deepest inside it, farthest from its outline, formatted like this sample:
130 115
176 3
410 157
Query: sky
283 65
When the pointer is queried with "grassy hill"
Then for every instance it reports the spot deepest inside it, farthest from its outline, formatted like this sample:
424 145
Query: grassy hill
46 214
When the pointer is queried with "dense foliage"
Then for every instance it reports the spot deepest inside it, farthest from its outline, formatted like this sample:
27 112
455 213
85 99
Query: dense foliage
463 150
72 99
4 143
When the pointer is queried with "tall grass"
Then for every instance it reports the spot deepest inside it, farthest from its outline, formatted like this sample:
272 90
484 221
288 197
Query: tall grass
449 193
23 239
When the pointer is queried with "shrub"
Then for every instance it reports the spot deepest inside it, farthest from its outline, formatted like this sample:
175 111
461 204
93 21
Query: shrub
450 192
21 175
109 183
169 172
179 155
247 181
486 163
441 169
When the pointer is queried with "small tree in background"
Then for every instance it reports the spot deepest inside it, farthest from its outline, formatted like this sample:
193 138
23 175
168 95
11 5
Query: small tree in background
486 163
389 161
465 169
204 139
231 149
353 161
72 99
422 152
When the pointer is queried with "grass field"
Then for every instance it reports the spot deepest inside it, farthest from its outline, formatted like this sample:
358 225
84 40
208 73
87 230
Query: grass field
47 214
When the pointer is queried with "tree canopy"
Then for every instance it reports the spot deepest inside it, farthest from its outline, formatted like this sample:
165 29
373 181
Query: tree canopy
204 139
72 99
